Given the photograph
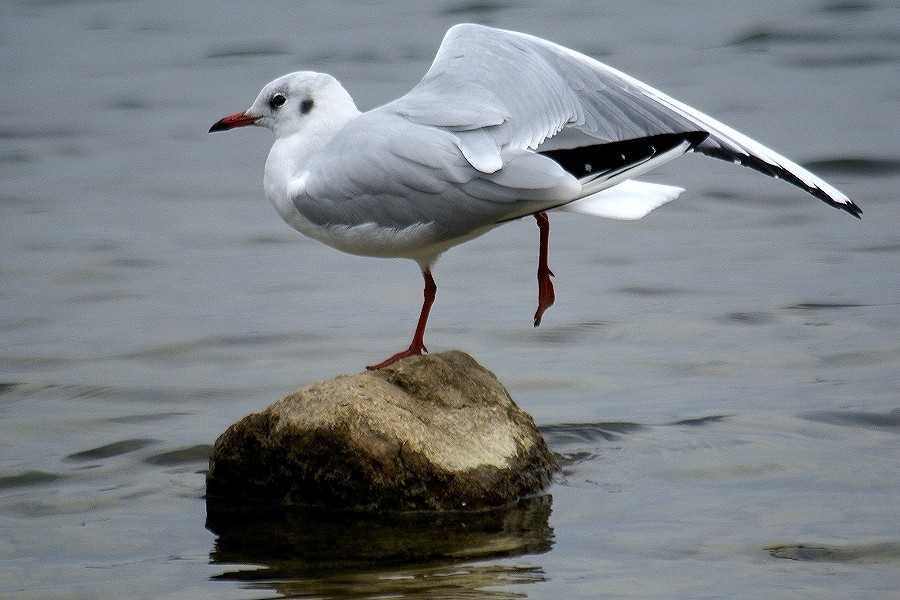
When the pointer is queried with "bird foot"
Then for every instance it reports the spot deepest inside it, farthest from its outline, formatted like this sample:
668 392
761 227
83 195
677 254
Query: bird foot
413 350
546 297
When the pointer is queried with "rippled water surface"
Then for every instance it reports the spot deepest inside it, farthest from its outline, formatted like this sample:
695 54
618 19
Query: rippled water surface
721 378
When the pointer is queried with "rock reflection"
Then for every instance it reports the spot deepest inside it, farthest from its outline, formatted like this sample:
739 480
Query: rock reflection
302 552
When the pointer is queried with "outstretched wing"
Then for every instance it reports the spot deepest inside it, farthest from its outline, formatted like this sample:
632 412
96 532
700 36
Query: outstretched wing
500 90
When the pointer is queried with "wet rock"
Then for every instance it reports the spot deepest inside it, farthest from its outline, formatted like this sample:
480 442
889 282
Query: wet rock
436 432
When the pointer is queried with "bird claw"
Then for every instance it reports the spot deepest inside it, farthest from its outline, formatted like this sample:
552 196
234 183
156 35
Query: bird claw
546 296
413 350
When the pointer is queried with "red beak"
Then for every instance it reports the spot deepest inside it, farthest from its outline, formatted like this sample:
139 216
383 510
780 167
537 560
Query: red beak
231 121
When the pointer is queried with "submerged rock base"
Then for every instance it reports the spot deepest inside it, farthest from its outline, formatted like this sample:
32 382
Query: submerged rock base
433 432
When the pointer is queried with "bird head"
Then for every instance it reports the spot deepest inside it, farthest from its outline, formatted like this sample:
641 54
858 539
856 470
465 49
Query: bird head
295 102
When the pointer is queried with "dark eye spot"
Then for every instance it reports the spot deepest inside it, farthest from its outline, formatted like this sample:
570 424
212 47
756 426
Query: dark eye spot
306 106
276 101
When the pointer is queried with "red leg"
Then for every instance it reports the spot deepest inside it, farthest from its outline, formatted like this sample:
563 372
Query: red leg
546 296
418 342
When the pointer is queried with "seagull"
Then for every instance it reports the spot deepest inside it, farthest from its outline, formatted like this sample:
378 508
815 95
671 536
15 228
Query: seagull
504 125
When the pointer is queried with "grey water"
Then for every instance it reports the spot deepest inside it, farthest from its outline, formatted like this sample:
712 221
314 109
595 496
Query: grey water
721 378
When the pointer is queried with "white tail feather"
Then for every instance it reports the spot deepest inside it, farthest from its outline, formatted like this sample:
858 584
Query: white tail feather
628 200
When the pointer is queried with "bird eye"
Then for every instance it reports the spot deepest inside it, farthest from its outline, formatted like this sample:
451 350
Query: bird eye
277 100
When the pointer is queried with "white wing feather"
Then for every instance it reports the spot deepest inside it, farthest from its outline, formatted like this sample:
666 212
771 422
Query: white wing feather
523 91
628 200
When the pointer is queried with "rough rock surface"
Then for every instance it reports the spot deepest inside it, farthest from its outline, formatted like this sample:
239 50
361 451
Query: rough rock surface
434 432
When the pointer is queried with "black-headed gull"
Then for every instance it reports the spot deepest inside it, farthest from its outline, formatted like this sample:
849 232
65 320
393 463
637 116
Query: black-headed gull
502 126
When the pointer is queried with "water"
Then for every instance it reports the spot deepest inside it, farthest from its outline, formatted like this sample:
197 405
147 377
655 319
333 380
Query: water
722 377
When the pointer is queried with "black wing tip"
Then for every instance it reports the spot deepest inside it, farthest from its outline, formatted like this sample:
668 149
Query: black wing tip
851 208
844 204
716 150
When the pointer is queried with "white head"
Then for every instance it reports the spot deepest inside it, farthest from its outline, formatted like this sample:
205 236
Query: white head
295 102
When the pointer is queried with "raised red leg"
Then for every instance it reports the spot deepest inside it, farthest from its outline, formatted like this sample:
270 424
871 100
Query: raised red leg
546 296
418 342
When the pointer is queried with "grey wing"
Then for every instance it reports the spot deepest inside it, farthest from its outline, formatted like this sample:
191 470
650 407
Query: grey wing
500 89
383 170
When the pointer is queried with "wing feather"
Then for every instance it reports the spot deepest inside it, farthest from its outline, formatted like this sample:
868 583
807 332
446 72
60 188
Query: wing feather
498 128
401 175
524 90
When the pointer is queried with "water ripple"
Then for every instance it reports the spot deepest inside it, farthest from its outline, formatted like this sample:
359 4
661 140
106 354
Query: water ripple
883 553
111 450
750 318
573 433
889 420
847 6
28 479
862 166
888 248
181 456
252 50
474 8
816 306
701 421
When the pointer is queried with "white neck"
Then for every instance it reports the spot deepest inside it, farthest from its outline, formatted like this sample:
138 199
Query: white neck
290 155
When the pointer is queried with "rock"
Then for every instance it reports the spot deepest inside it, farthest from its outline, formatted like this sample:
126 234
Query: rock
435 432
